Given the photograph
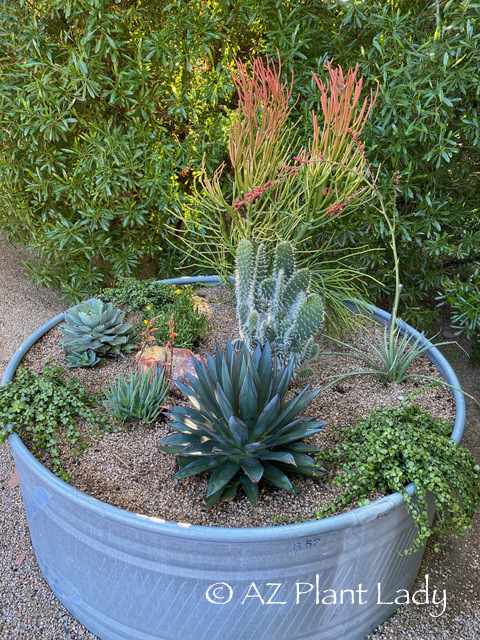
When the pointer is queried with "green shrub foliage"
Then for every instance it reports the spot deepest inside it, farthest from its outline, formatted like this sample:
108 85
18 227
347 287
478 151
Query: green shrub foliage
160 301
425 124
107 107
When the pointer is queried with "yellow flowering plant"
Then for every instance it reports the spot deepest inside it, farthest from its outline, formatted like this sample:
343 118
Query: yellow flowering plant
157 302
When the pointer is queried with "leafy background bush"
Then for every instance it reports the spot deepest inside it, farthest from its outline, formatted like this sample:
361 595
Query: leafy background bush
107 107
425 124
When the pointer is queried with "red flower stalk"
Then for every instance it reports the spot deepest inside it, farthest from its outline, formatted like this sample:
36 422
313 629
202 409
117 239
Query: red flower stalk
396 183
339 206
147 335
170 343
171 326
149 329
258 191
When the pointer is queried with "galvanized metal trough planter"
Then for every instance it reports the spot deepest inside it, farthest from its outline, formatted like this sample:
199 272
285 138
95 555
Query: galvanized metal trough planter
127 576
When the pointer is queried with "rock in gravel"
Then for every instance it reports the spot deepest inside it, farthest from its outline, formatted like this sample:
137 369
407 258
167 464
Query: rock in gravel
162 358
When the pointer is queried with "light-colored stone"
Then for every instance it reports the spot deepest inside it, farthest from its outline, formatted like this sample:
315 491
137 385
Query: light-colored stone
176 362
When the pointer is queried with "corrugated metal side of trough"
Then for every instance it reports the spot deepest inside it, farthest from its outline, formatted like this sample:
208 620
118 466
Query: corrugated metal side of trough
126 576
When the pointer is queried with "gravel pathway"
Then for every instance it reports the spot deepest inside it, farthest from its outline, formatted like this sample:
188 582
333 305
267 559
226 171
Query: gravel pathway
29 610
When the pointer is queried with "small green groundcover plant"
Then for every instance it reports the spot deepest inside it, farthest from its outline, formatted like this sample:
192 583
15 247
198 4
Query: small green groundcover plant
160 301
240 426
40 408
395 446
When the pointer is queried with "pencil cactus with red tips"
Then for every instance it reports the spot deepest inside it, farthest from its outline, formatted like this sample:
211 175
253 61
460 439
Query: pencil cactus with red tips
339 99
257 140
273 197
337 167
240 426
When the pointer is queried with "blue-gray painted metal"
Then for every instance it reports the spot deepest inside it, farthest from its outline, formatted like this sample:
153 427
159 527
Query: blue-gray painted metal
127 576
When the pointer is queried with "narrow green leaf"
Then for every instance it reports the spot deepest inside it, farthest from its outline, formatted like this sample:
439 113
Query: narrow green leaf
248 402
198 466
221 476
253 468
280 456
266 418
250 488
238 429
277 477
210 500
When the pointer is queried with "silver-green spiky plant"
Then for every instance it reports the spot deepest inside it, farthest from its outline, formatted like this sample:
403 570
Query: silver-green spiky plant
94 329
276 307
138 396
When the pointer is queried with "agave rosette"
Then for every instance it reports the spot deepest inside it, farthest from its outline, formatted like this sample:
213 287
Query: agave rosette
94 329
240 425
138 396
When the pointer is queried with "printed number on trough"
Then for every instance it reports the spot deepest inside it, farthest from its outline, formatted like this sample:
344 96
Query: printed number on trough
306 544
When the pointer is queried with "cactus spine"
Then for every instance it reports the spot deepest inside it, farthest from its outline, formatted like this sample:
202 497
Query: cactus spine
276 307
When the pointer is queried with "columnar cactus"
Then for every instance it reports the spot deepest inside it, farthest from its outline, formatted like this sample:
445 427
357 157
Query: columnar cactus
276 307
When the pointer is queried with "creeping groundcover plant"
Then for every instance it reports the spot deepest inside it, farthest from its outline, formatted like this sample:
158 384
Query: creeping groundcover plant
257 433
393 447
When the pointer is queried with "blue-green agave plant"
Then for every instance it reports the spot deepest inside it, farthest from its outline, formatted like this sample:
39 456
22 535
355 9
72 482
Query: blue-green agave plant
94 329
240 425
